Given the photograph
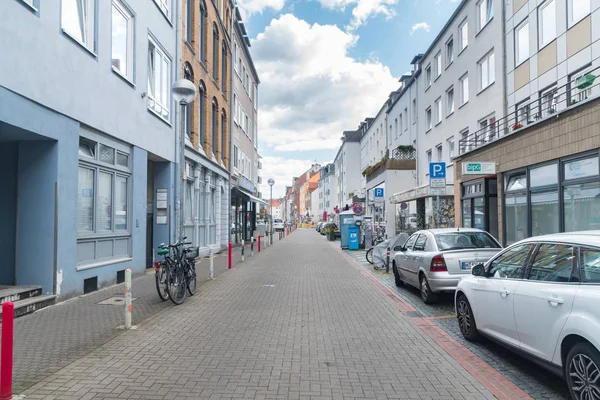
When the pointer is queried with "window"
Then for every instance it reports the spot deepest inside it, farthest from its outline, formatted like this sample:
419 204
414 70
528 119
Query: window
485 12
236 162
465 240
235 108
410 242
235 57
78 21
578 10
428 118
450 101
463 34
465 139
590 263
439 152
415 111
224 68
215 62
122 40
255 97
420 243
428 75
515 204
429 157
450 148
547 23
189 7
553 263
202 27
223 128
396 125
202 104
549 101
511 263
85 200
438 65
464 89
523 113
487 71
438 111
405 118
215 126
165 7
449 51
578 95
522 43
159 79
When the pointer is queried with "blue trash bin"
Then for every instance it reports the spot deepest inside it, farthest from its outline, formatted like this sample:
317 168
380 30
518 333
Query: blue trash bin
353 239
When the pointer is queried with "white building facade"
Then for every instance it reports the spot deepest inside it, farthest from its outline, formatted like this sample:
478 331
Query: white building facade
347 170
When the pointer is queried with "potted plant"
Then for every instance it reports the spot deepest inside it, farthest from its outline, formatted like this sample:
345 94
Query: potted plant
517 126
330 232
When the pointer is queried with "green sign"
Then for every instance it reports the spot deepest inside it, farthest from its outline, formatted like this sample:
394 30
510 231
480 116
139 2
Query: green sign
479 168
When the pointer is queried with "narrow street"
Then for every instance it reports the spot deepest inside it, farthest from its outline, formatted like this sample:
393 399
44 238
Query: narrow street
298 320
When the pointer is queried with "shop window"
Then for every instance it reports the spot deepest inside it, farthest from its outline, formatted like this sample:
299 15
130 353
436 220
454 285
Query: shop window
582 206
517 182
544 212
466 214
579 169
516 210
543 176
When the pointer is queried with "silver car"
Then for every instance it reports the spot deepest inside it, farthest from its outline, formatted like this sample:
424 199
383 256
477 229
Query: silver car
434 260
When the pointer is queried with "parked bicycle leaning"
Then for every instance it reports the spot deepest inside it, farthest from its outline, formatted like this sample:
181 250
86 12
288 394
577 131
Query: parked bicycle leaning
175 276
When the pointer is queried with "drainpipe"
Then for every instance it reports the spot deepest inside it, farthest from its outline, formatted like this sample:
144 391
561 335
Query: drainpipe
177 124
231 111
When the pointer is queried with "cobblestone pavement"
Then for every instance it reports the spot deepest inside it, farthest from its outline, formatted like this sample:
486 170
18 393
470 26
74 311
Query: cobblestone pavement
54 337
534 380
299 321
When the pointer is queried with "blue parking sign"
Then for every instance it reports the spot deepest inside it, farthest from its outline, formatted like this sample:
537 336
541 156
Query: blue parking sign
437 170
378 192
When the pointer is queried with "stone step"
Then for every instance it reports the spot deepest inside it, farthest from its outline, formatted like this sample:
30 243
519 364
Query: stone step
32 304
17 293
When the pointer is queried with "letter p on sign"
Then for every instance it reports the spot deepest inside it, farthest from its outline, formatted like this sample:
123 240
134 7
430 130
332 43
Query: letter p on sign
437 170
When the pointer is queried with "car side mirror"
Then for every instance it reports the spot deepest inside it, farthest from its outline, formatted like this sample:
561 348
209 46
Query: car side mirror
478 270
399 248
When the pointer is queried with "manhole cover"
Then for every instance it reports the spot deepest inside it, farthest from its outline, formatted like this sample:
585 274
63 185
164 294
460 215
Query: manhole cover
114 301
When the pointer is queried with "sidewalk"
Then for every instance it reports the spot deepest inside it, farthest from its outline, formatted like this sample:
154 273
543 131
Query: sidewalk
56 336
296 323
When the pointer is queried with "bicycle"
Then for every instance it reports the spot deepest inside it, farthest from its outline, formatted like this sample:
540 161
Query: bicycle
176 275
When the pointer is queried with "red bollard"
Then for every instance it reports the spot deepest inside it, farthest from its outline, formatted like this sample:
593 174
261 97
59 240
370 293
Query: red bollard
259 243
6 363
229 248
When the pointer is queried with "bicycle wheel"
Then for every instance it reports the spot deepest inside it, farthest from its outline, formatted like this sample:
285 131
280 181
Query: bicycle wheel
160 277
191 277
369 255
177 284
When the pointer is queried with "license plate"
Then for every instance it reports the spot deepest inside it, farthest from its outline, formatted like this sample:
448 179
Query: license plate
467 264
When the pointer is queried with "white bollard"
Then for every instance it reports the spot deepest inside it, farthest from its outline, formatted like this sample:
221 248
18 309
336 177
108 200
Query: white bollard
242 250
127 298
212 265
252 245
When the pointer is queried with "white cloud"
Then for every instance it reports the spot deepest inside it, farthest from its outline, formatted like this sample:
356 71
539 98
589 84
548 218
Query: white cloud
311 90
363 9
250 7
420 26
282 170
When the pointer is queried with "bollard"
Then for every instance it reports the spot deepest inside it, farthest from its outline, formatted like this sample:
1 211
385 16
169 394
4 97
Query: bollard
229 256
258 244
252 246
6 363
387 262
127 298
242 250
211 255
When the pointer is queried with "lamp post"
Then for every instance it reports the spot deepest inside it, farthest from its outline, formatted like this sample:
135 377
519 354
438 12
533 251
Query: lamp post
184 92
271 182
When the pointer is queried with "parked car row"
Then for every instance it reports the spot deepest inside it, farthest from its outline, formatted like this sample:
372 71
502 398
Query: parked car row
538 297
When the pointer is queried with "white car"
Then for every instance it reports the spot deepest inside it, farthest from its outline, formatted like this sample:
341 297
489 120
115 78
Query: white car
541 298
278 225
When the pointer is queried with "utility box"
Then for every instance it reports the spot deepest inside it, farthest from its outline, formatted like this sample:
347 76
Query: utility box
353 238
346 221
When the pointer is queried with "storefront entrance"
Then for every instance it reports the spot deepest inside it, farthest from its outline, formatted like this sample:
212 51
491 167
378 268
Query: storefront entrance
480 205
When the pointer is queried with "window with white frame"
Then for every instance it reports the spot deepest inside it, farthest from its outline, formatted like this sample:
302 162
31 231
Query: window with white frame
439 152
450 148
255 96
428 76
549 101
523 113
464 135
236 161
578 10
122 39
547 22
236 56
438 110
202 26
485 12
463 35
428 120
189 7
577 95
487 71
165 7
235 108
464 89
429 157
78 20
159 79
415 111
449 51
405 118
438 65
450 101
522 43
396 125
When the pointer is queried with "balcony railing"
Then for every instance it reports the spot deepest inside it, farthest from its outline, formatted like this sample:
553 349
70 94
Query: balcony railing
550 103
403 158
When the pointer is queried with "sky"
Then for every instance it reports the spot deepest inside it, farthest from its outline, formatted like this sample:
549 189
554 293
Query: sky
326 65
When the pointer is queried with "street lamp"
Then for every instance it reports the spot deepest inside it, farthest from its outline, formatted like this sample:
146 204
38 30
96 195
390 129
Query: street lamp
184 92
271 182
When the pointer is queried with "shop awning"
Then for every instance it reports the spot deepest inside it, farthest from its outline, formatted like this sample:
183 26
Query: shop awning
252 198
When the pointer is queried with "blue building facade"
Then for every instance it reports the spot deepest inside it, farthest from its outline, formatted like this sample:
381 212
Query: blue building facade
87 140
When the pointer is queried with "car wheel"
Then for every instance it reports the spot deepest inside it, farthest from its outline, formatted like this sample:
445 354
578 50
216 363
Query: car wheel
397 279
466 319
426 294
582 371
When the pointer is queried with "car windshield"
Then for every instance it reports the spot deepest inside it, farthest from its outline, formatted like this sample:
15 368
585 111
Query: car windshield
278 221
465 240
